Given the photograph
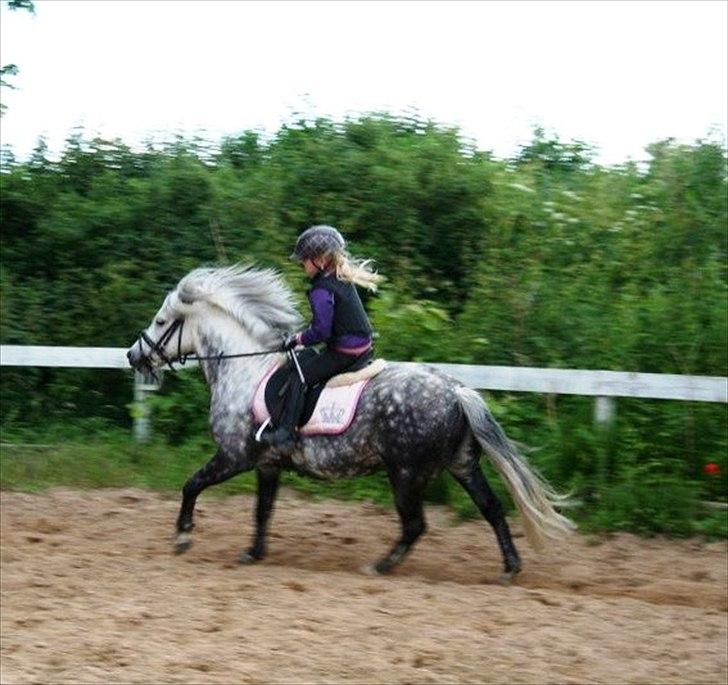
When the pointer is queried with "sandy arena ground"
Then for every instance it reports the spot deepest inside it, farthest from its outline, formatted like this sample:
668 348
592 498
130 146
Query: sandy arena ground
92 594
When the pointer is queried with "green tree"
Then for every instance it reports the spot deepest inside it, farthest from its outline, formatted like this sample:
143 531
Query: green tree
548 259
12 69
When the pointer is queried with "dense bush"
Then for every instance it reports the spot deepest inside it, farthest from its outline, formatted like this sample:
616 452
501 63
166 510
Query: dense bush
547 259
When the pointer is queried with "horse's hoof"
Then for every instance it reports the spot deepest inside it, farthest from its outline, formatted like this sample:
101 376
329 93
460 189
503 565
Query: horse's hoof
369 570
507 577
183 543
378 569
247 558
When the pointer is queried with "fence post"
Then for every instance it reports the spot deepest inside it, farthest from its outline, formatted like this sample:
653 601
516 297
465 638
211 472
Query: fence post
605 410
143 385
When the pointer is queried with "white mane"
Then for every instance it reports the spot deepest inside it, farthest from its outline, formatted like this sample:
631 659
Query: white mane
258 299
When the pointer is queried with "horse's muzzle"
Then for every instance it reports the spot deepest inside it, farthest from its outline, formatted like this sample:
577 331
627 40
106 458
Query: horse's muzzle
137 359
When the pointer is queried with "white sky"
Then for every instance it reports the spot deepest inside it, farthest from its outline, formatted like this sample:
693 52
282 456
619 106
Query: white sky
618 75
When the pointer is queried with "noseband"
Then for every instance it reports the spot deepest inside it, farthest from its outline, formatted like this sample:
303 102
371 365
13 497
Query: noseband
176 326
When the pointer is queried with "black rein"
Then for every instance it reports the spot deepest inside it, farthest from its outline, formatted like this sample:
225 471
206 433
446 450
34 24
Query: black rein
176 326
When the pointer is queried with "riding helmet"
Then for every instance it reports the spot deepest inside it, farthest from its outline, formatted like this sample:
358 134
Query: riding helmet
318 241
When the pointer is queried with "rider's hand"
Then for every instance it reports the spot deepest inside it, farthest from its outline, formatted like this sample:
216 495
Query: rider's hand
290 342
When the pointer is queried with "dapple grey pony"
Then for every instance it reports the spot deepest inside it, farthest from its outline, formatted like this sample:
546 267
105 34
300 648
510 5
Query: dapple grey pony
413 421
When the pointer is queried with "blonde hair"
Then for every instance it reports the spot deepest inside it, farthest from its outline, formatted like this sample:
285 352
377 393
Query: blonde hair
356 271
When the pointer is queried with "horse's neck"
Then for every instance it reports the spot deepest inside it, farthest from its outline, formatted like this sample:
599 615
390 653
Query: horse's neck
233 381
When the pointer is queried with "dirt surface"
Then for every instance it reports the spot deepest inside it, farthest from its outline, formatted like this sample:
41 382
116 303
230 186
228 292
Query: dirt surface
91 593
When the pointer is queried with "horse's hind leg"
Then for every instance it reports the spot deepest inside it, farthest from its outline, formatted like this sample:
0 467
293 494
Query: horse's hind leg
476 485
267 489
409 486
218 469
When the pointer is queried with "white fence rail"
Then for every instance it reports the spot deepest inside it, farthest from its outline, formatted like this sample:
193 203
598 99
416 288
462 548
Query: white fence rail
662 386
70 357
603 385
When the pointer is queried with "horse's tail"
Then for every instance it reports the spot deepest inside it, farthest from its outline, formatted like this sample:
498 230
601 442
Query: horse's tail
533 496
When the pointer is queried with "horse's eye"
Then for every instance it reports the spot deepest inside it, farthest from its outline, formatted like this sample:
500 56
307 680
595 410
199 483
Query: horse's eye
160 322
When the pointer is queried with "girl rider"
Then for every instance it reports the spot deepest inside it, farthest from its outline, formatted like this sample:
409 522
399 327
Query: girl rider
339 320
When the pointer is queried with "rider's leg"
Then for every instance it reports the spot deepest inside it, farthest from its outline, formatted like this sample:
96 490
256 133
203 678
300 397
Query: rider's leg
316 369
284 434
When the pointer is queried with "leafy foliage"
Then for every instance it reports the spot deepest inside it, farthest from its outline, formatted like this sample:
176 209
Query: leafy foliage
544 260
12 69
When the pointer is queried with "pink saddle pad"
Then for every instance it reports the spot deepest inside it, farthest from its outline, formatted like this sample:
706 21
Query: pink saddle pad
332 415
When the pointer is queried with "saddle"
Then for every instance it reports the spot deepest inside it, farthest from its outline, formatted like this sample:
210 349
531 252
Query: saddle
329 408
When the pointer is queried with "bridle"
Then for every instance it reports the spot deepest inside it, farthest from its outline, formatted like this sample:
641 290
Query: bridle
177 326
159 345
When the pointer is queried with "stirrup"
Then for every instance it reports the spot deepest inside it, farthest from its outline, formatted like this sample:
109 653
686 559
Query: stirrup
260 430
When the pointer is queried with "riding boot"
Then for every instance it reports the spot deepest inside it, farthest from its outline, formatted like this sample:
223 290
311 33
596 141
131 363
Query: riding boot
283 438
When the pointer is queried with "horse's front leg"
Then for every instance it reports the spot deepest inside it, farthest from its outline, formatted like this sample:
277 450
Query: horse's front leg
221 467
268 480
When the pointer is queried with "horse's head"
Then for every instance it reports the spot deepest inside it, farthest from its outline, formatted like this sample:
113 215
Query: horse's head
241 305
166 339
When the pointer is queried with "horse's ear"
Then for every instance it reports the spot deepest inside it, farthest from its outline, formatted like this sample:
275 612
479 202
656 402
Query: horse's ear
186 296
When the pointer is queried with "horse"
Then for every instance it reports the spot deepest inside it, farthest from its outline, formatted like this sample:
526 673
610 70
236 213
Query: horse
412 421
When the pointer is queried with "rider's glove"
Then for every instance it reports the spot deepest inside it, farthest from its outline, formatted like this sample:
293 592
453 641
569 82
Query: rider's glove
290 342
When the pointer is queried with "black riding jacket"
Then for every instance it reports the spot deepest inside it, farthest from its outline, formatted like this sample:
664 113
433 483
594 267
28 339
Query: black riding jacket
346 323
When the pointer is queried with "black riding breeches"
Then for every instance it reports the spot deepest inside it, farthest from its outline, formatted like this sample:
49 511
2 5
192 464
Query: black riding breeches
316 369
320 367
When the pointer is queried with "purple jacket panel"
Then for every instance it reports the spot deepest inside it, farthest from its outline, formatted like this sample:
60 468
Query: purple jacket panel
322 306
